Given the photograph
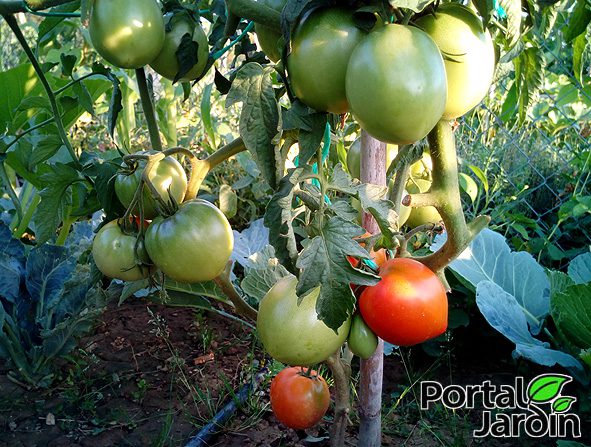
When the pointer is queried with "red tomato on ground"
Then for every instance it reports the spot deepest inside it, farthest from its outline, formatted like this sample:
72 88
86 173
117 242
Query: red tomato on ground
408 306
299 401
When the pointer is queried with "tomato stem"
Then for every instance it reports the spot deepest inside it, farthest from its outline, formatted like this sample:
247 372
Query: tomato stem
148 107
257 12
445 196
199 170
341 373
225 283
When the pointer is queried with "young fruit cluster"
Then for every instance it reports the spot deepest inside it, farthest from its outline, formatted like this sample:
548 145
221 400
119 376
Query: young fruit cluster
134 33
192 244
397 80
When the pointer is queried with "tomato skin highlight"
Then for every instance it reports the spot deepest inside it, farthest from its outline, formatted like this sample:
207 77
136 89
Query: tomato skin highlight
114 254
293 334
470 65
166 175
396 84
408 306
321 46
299 402
129 33
192 245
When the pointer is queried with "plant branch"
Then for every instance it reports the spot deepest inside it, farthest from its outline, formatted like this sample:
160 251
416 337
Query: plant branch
256 11
341 373
8 7
241 306
225 152
148 107
50 94
445 196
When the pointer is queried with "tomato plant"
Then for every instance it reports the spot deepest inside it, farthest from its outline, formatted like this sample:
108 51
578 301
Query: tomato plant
128 34
424 214
469 55
167 176
192 245
292 333
269 39
114 253
361 341
320 51
299 399
396 84
196 49
408 306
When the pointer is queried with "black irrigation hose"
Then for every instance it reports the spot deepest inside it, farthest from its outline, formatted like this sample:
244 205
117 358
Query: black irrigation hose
224 415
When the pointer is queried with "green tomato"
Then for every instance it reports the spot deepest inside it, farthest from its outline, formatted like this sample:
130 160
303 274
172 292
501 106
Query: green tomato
423 167
424 214
128 34
166 63
320 50
396 84
362 341
167 176
192 245
269 39
114 254
469 55
293 334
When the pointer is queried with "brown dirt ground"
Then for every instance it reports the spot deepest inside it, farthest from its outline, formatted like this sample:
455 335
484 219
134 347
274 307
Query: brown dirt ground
154 380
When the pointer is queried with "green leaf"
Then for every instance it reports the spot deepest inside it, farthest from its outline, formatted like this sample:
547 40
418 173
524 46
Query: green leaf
56 200
206 115
571 311
208 289
130 288
580 269
585 356
546 387
559 281
485 9
413 5
50 24
579 45
578 20
563 404
323 262
262 274
228 201
529 69
481 176
34 102
469 186
68 63
44 148
279 216
83 97
513 10
259 118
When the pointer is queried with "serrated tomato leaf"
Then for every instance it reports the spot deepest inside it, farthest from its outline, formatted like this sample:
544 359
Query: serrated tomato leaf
323 262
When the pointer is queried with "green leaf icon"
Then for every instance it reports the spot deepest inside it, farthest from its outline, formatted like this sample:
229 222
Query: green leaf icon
546 387
563 404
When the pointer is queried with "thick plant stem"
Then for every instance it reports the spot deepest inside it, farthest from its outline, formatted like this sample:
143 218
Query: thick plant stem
341 373
16 6
222 154
50 95
241 306
445 196
373 170
148 107
257 12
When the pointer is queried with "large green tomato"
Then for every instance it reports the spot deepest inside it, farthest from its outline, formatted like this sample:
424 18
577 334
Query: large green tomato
114 254
166 63
269 38
362 341
424 214
320 49
293 334
129 33
192 245
167 176
396 84
469 55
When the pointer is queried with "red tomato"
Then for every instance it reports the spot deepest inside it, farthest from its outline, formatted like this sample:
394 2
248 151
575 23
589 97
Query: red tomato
299 401
408 306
